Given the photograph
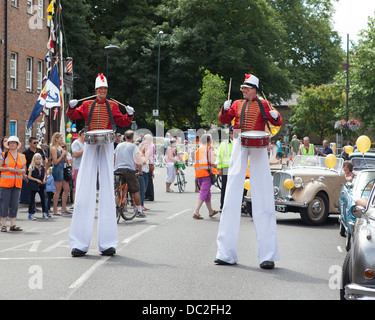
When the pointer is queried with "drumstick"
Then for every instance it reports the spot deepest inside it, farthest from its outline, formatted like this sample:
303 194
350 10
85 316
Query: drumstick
230 86
265 98
118 102
86 98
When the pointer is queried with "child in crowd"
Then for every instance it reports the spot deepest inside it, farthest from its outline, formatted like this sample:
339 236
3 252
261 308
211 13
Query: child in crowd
50 189
37 182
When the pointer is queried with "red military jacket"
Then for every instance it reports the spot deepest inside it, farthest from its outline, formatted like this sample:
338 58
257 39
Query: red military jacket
100 118
253 119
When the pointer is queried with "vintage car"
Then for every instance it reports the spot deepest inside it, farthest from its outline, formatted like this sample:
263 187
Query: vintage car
358 271
310 188
350 192
362 161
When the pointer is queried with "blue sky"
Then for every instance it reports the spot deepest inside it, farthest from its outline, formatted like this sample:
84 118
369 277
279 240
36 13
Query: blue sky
351 17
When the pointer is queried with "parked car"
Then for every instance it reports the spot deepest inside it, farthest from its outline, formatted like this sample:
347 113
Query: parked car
358 271
362 161
350 192
315 188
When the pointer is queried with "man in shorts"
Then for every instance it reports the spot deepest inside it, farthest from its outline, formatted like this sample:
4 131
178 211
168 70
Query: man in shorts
126 154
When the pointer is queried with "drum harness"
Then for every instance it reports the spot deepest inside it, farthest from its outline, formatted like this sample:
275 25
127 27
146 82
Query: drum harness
261 110
109 113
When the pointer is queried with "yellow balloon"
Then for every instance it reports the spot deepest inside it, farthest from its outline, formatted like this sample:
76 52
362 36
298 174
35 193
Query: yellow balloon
69 136
247 184
330 160
289 184
349 149
363 143
185 156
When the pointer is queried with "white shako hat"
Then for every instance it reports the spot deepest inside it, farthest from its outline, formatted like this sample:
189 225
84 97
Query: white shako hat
251 81
101 81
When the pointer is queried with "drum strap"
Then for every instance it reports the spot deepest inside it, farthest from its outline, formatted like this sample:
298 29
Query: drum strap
113 124
261 110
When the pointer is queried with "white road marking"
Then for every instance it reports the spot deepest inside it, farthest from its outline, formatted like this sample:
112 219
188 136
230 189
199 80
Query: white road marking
86 275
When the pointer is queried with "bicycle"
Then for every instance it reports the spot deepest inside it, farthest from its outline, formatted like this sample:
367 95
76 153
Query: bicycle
181 182
123 199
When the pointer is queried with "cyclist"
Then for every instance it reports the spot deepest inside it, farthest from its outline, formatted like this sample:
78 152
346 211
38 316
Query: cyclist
126 153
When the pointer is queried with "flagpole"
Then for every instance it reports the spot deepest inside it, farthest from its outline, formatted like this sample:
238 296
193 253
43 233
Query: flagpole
62 120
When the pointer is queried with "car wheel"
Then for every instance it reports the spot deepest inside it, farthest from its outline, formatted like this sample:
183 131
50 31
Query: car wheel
317 211
345 276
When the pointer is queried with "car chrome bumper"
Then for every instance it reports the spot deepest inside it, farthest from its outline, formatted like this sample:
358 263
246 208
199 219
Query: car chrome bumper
358 292
280 202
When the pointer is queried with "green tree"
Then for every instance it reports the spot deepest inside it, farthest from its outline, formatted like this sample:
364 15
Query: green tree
213 96
310 52
316 111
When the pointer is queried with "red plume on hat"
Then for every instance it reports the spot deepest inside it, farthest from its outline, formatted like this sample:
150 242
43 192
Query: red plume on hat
101 75
101 81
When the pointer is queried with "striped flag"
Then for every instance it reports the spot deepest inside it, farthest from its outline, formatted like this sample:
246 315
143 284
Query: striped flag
48 98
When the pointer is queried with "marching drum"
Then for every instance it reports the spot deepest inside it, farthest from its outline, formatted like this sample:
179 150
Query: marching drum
255 139
99 136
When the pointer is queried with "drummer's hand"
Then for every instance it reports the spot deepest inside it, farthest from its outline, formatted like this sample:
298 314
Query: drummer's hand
227 104
73 103
129 110
274 114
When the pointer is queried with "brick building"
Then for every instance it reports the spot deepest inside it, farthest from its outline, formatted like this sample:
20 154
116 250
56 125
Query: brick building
23 47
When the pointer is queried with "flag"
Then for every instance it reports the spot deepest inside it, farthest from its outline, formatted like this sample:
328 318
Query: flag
50 45
48 98
51 10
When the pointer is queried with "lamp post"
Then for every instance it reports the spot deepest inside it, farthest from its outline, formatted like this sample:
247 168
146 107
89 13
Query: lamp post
109 48
158 81
347 87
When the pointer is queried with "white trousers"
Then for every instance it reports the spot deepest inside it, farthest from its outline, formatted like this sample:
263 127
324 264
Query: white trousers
263 205
96 158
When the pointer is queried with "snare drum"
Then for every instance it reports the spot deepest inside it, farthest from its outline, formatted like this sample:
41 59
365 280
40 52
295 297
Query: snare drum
99 137
255 139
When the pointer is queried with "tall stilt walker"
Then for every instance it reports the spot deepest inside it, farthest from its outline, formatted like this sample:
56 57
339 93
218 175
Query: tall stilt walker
101 116
250 115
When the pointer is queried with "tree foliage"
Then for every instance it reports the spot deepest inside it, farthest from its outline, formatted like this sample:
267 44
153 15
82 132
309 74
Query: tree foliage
286 44
213 95
317 110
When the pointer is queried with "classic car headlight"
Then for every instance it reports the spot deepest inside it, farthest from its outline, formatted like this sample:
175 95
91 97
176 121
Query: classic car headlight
276 191
298 182
369 274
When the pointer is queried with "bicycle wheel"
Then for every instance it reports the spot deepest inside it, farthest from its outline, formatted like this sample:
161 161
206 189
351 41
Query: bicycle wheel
119 208
183 181
178 183
128 213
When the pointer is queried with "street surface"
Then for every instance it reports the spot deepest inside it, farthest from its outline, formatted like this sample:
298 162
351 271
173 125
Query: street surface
169 256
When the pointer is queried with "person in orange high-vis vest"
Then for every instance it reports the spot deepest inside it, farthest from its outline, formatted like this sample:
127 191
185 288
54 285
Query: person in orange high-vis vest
12 168
204 160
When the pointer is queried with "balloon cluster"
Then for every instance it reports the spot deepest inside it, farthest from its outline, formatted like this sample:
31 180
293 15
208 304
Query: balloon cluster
70 127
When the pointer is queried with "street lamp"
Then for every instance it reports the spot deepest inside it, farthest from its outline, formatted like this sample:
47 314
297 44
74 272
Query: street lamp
347 87
158 81
109 48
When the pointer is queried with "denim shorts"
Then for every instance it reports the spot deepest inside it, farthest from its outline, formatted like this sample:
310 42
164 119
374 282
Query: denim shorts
58 172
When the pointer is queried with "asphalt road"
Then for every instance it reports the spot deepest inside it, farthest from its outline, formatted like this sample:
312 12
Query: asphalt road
169 256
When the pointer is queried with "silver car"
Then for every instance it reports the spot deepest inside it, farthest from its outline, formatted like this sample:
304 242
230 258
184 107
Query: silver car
314 188
358 271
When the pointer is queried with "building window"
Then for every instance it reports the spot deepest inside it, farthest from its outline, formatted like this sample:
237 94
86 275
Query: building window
28 133
40 8
39 76
14 3
13 70
30 6
13 128
29 74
